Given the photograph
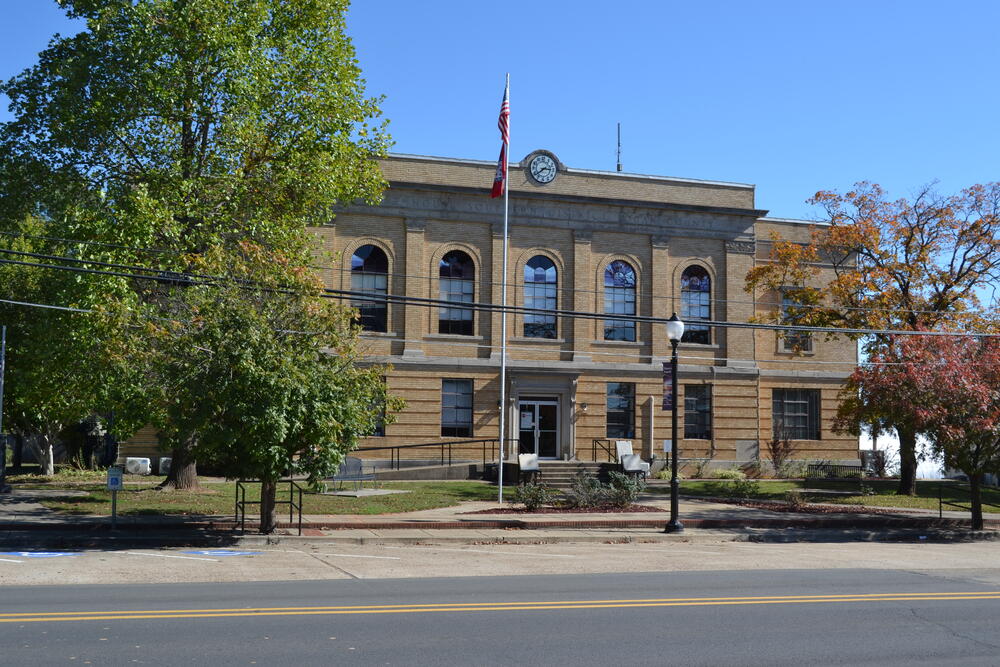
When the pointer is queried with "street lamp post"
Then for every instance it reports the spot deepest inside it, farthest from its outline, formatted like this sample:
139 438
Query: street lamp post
675 330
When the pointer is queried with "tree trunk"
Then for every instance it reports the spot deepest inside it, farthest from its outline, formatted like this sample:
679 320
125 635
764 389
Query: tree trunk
268 518
183 475
17 461
977 502
47 460
907 461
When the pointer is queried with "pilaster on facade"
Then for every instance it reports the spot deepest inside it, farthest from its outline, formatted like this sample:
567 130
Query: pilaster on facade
584 299
738 305
415 317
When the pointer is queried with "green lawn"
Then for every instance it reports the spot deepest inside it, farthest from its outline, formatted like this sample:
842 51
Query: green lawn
885 493
140 497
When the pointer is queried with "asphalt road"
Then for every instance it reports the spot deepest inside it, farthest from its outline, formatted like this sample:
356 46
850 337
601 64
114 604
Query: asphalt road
775 617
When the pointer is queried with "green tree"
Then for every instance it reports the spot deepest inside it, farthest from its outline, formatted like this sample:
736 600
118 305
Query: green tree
178 126
272 382
909 264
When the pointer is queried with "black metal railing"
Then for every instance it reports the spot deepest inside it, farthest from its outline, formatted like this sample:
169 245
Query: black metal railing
965 506
834 471
488 447
242 502
604 445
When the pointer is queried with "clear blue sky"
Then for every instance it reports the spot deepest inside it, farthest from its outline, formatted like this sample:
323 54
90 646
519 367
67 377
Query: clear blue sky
792 96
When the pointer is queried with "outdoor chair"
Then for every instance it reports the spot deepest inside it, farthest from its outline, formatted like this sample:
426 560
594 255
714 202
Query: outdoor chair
529 468
632 464
350 470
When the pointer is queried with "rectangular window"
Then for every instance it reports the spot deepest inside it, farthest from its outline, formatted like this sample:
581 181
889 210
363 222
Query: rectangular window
456 408
793 341
621 410
795 413
453 320
379 429
698 411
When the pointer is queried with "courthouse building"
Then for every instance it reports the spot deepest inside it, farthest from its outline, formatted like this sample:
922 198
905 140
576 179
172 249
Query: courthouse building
605 243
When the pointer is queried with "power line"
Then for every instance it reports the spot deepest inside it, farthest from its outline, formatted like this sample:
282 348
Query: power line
572 290
510 309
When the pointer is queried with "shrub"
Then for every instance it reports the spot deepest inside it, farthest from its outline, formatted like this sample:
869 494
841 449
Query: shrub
795 499
754 469
701 467
791 470
780 450
729 473
532 495
586 491
743 488
624 489
665 474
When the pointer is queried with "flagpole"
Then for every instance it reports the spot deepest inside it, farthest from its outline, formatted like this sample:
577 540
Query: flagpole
503 309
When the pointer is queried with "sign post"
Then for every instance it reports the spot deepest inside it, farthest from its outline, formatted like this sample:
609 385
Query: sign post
115 484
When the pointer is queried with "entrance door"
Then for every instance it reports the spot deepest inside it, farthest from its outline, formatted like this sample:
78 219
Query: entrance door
538 424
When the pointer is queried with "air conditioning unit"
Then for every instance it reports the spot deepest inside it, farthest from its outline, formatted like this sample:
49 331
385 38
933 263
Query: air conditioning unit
164 465
137 466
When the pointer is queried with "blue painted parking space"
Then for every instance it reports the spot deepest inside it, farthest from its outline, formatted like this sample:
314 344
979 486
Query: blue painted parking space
38 554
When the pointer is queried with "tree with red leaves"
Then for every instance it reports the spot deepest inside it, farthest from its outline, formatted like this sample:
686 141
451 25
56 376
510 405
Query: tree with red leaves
946 387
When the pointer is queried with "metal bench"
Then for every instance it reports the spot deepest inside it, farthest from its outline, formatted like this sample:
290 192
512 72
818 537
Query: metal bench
350 470
834 471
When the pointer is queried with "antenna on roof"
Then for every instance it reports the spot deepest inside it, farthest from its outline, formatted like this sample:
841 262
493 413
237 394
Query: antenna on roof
619 146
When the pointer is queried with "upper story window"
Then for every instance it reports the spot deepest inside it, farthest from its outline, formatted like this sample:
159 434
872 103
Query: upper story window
619 299
540 284
457 275
369 274
696 293
793 341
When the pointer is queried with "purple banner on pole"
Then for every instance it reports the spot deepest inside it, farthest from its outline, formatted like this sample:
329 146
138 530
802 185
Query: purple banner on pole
668 392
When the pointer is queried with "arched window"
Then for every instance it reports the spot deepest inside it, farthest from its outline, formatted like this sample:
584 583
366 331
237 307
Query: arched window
540 292
369 274
619 299
696 293
457 274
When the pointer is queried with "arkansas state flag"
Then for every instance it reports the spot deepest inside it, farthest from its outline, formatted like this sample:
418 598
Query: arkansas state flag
500 180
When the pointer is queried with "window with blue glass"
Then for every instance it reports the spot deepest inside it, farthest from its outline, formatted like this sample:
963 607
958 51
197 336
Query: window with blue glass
619 299
457 276
540 285
370 276
696 300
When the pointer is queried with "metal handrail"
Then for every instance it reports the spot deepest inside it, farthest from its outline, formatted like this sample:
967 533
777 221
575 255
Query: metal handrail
956 486
604 444
445 447
240 511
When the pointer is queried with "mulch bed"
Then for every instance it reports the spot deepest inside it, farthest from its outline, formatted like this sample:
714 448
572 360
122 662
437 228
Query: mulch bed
570 510
778 506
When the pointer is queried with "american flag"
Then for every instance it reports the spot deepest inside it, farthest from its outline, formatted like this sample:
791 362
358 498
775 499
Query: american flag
500 180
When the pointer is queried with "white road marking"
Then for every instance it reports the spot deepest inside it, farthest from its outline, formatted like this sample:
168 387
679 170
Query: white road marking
358 556
11 560
136 553
483 551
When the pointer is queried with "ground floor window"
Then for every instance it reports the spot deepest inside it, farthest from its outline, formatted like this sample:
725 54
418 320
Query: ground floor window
456 408
621 410
698 411
795 413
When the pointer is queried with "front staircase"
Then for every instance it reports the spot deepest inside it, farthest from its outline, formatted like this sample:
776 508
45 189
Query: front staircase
560 474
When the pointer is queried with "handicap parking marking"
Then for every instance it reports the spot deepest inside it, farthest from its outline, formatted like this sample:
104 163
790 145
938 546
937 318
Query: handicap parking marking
138 553
222 552
39 554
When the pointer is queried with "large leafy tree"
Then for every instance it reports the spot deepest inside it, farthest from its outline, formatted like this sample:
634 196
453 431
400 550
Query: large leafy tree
59 368
172 127
944 387
270 367
907 264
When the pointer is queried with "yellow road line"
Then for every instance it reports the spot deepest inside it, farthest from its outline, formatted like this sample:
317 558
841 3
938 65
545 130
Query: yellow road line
487 606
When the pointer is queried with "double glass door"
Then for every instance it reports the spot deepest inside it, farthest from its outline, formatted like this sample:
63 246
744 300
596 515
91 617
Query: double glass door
538 424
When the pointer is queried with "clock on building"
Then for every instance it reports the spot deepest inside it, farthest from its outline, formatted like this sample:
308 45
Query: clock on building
542 168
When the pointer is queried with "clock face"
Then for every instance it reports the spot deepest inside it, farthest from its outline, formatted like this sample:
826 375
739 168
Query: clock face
542 168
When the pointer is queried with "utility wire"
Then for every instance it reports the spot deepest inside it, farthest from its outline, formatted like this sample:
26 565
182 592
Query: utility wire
572 290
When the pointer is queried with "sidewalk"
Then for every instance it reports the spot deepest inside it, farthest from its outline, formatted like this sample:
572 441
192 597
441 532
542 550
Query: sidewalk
23 519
